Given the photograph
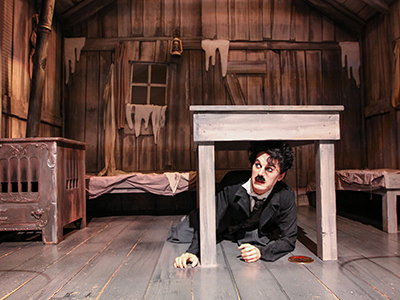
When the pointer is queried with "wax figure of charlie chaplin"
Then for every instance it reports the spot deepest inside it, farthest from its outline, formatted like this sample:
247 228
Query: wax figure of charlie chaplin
258 213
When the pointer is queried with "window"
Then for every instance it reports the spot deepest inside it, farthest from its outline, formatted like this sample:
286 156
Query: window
149 83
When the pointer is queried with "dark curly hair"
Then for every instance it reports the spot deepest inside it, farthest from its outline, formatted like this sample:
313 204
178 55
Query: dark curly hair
277 150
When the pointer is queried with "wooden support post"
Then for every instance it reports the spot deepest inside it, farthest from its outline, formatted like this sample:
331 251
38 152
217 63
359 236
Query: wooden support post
389 211
1 92
208 240
326 200
39 69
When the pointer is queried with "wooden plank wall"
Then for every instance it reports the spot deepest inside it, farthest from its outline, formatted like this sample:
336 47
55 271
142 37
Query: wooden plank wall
310 74
382 121
16 72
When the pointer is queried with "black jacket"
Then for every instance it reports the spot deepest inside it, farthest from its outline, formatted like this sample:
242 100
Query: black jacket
277 226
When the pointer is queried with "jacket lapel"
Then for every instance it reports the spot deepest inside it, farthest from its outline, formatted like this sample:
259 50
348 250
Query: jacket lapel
271 208
244 200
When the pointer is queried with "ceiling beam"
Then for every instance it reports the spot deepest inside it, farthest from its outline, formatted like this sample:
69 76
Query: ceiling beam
378 5
339 14
83 11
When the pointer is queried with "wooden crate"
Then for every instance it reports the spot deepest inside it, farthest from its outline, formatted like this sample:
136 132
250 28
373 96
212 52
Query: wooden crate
42 185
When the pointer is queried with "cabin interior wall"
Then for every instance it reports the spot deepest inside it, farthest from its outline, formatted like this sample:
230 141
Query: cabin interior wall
313 75
292 75
382 118
18 32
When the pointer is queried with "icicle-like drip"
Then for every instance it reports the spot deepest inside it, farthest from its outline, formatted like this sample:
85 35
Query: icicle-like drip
396 75
351 50
147 113
72 53
210 47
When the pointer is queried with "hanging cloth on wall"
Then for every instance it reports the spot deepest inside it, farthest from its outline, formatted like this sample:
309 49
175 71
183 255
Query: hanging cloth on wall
122 83
158 118
142 112
210 47
109 125
146 113
72 54
351 60
396 74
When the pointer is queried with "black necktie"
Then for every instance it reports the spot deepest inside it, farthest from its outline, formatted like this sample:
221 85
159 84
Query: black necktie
258 203
252 221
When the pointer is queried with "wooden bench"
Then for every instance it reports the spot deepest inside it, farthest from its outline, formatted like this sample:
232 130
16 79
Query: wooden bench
384 182
166 184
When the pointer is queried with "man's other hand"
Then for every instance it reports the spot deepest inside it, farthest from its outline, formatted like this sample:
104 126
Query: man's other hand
249 253
182 261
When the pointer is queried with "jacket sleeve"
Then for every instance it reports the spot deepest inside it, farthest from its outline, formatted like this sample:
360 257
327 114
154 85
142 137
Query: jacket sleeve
287 224
194 247
221 205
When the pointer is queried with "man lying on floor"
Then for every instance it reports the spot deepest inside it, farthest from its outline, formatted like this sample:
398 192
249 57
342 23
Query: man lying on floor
259 214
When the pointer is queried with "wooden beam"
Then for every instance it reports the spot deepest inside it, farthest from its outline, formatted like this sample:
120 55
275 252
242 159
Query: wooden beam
378 5
247 67
234 90
339 14
83 11
271 45
108 44
380 107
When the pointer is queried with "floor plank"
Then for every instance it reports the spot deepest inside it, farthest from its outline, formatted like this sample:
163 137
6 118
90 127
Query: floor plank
340 281
168 282
198 283
380 279
132 279
263 284
127 257
55 270
360 245
215 282
30 260
94 277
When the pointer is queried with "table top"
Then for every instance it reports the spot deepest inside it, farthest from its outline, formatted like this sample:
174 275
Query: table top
219 123
263 108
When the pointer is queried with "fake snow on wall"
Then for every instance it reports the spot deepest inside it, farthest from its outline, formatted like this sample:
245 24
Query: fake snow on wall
72 54
396 75
147 113
351 52
210 47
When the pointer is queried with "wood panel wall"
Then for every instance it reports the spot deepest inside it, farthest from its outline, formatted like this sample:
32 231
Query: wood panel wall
293 58
16 25
382 120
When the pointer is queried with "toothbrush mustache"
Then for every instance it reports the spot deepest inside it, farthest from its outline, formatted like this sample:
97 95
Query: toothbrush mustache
260 178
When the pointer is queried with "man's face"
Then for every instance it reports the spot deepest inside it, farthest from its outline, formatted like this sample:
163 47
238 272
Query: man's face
265 174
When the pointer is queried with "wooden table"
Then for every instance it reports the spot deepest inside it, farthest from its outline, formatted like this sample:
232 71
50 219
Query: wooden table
318 124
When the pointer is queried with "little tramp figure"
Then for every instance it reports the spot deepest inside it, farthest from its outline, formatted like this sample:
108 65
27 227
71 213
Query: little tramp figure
259 213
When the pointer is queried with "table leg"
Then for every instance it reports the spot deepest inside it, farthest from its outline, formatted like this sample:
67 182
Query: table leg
326 200
208 252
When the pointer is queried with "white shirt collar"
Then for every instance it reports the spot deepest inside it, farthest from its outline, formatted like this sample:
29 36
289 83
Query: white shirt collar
247 186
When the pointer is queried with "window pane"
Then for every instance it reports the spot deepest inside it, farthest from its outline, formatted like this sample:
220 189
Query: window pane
140 73
157 96
139 95
158 74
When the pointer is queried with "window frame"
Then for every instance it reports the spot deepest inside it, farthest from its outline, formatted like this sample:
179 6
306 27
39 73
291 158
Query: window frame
149 85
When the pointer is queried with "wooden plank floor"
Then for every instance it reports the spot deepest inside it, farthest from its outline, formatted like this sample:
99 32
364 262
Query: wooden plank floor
126 257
